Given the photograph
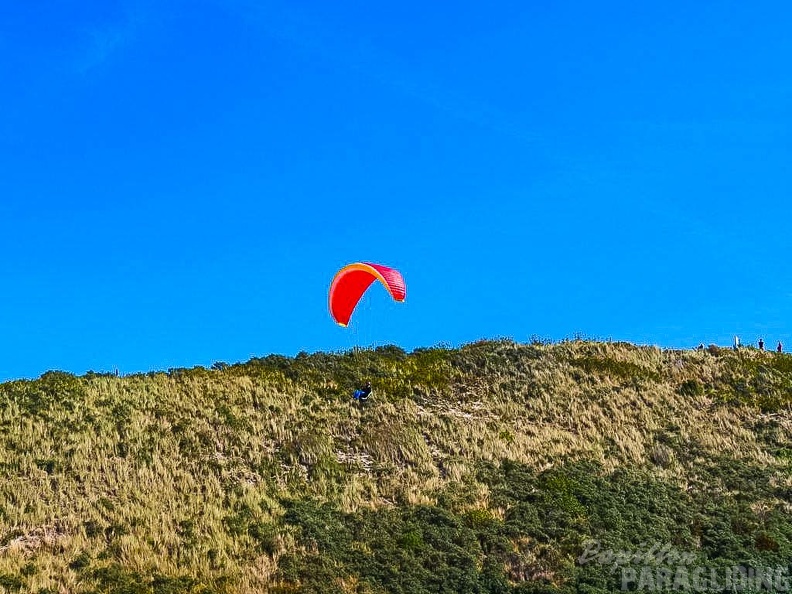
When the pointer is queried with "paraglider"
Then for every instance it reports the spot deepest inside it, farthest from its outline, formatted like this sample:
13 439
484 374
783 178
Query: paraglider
346 290
353 280
363 393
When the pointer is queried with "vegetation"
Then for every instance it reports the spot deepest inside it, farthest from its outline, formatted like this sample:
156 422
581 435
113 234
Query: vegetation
487 468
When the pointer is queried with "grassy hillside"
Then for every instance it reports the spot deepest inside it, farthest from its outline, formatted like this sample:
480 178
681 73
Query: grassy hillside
480 469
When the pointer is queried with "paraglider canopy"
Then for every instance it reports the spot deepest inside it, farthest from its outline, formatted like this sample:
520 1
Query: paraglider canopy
353 280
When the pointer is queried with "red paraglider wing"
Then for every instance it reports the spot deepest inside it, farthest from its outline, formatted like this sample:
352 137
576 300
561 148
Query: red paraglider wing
352 281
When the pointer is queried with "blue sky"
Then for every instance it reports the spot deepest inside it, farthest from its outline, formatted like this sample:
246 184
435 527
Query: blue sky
180 181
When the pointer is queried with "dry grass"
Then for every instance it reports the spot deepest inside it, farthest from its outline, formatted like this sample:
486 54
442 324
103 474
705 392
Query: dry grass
149 472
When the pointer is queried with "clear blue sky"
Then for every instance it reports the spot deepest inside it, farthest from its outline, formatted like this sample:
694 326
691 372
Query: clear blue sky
179 181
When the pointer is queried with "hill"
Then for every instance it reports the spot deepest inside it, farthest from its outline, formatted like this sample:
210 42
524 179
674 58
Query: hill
494 467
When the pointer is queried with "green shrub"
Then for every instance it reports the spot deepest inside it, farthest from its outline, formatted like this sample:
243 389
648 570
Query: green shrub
691 387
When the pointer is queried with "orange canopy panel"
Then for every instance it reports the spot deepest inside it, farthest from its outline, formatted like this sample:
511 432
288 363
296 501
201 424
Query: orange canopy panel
351 282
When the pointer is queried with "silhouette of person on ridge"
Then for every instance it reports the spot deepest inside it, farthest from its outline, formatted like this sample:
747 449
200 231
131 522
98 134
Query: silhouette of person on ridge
363 393
780 347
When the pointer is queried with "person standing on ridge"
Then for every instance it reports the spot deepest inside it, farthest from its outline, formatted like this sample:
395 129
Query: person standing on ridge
761 344
780 347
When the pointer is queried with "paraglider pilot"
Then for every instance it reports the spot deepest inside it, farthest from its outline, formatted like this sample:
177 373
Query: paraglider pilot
363 393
